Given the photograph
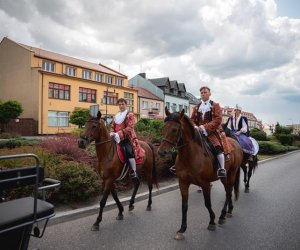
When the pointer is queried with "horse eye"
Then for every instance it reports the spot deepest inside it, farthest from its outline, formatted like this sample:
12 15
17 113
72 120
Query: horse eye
174 130
94 126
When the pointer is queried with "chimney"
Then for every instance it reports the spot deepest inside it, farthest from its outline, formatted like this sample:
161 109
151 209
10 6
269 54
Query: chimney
142 75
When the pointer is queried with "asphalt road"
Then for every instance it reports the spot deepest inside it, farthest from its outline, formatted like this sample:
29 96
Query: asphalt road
266 218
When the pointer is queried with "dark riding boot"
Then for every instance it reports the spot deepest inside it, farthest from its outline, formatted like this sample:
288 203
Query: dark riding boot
132 164
221 170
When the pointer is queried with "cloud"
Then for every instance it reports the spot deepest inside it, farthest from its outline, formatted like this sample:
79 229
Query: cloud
241 49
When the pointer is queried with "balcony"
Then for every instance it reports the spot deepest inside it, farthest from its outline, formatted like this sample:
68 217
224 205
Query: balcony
153 111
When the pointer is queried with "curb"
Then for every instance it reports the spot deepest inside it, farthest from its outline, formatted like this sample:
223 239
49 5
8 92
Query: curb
61 217
65 216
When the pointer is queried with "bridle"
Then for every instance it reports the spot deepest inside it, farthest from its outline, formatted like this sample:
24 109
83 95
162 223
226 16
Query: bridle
177 145
90 137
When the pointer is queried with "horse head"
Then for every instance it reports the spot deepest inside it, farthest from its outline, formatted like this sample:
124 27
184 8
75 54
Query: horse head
92 130
176 126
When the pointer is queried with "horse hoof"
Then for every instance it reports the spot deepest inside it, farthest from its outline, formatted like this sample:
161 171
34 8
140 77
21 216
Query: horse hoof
131 207
211 227
247 190
179 236
95 228
148 209
229 215
119 217
222 221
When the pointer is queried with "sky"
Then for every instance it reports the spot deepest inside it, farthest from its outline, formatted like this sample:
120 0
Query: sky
246 51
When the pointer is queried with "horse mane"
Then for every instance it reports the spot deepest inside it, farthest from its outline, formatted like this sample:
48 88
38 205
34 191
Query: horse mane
175 117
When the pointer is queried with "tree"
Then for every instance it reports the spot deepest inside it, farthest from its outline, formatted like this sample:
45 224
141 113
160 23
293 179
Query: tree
9 110
79 117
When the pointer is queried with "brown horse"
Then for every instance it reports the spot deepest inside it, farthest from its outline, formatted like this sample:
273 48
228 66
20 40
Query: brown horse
195 164
110 167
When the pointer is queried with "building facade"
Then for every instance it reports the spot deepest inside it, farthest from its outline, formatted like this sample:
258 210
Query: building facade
150 105
50 86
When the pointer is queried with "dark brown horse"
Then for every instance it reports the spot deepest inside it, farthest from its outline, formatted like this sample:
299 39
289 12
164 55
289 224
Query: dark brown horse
110 167
196 165
248 169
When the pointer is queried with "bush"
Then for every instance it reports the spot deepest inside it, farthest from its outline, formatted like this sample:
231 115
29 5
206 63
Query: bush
79 182
271 148
10 144
258 135
285 139
150 128
76 132
7 135
66 146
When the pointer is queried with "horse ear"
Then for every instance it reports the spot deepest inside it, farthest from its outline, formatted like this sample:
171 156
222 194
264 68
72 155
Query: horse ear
167 111
99 115
181 114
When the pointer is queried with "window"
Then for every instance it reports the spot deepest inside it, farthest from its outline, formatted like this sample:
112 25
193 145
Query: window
180 107
158 106
119 82
145 104
59 91
110 98
167 90
130 102
86 74
48 66
174 107
98 77
109 79
185 109
58 119
70 71
87 95
168 105
175 91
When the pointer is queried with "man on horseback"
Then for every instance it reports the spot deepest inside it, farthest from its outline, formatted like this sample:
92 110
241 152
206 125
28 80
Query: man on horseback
207 117
238 126
122 130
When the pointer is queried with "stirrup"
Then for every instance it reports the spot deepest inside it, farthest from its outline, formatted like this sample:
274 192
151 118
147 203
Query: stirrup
222 173
172 169
133 175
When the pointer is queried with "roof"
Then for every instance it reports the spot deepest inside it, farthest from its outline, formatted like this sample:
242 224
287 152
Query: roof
192 99
159 82
147 94
70 60
174 84
181 87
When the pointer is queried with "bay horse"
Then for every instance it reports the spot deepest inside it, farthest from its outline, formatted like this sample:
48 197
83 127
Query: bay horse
195 164
110 166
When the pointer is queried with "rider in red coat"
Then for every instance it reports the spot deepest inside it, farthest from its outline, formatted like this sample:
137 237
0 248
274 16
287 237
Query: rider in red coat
122 130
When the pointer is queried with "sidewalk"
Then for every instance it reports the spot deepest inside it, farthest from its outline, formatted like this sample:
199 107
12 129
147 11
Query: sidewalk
70 212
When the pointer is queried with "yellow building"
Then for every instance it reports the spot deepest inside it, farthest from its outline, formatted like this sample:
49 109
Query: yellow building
50 86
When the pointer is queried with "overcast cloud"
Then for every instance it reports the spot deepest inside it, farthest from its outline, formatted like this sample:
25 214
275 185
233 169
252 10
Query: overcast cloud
244 50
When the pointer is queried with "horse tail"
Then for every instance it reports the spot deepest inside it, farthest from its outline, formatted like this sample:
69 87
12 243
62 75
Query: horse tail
255 163
154 172
237 184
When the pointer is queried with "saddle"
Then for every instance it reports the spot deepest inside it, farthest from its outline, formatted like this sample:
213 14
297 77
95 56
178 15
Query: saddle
121 155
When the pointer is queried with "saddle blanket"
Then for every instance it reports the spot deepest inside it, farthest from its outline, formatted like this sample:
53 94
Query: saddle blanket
122 157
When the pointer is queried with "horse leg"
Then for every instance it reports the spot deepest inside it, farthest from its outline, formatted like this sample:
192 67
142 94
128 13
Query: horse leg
107 189
120 207
230 203
244 167
136 187
150 186
184 189
249 176
206 193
